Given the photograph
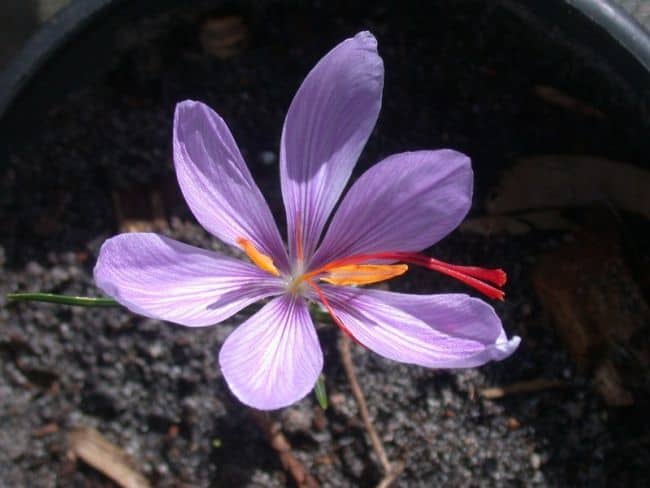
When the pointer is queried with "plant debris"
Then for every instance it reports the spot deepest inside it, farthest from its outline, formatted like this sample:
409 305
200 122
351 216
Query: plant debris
529 386
92 448
223 37
516 225
557 97
559 180
598 309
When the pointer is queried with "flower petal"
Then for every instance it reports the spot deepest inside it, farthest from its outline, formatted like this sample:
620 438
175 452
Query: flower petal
273 359
165 279
327 126
217 184
407 202
437 331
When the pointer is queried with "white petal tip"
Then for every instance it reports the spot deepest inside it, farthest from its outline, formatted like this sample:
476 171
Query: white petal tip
366 39
504 349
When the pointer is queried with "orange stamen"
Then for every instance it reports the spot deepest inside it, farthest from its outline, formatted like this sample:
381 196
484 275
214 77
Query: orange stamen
262 261
363 274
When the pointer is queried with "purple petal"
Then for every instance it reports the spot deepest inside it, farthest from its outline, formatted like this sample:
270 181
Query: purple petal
437 331
273 359
165 279
407 202
326 128
216 183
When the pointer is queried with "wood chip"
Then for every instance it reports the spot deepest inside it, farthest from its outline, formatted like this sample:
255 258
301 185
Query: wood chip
598 310
223 37
519 224
530 386
512 423
47 429
91 447
609 383
139 209
559 98
544 182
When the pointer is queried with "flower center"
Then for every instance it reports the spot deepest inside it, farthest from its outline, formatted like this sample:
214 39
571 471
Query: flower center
359 270
295 281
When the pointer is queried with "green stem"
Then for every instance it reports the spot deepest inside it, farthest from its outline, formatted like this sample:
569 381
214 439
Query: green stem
321 394
62 299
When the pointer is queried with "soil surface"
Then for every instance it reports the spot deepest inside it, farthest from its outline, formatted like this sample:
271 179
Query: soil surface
459 75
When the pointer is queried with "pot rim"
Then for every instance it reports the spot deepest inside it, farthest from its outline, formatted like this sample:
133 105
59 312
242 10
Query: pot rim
47 39
53 34
619 24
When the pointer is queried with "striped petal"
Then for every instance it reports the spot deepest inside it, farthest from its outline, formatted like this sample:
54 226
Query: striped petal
217 184
326 128
165 279
437 331
273 359
407 202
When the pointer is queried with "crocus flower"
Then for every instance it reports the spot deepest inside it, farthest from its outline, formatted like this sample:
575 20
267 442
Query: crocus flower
402 205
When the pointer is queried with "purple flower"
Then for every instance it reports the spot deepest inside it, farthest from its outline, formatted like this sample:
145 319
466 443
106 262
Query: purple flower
403 204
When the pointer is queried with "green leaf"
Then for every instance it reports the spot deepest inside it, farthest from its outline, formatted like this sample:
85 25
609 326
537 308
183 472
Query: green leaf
321 394
62 299
318 314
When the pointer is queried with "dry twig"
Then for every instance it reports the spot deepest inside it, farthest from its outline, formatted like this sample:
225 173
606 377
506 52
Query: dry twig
391 471
273 432
389 478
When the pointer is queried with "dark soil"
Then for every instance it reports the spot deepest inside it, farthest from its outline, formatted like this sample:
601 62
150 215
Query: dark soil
459 75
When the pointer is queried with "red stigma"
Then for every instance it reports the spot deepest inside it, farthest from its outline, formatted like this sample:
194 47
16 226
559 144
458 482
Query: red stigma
330 310
481 279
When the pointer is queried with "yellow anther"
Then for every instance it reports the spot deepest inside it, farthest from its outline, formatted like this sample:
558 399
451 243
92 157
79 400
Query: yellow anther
362 274
262 261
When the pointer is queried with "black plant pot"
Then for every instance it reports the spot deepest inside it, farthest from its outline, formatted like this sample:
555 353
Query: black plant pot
85 123
77 47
